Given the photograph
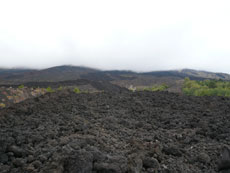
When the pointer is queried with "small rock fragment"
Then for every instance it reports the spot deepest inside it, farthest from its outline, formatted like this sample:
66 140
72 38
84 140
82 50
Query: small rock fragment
18 162
18 152
172 150
37 164
30 159
203 158
149 162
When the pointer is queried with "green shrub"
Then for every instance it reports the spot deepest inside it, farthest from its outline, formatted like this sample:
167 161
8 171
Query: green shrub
21 86
49 90
76 90
155 88
206 88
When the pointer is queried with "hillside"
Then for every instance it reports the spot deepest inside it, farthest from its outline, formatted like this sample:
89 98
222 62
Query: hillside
205 74
174 78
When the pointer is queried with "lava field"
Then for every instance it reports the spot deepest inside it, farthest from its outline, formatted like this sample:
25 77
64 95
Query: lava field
116 132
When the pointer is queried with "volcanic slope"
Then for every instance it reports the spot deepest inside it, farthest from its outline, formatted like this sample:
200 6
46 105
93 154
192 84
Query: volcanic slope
111 132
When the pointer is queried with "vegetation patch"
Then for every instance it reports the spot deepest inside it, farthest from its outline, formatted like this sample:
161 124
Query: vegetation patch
49 89
60 88
21 86
77 90
206 88
154 88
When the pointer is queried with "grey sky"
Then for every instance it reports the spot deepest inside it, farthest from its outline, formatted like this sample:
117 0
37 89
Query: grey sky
142 35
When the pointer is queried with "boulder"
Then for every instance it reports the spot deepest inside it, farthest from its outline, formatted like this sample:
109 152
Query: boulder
224 161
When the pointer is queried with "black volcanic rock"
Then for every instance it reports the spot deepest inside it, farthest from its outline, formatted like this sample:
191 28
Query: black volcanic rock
224 162
18 152
115 132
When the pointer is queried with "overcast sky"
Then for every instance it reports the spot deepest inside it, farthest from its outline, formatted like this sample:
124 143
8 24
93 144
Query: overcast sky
142 35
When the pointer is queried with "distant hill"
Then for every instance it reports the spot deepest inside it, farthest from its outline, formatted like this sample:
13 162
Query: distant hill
59 73
204 74
192 74
173 78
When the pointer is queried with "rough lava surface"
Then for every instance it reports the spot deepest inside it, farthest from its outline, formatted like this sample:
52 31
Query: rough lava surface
116 132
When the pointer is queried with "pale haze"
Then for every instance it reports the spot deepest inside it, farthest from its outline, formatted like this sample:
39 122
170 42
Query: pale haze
140 35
